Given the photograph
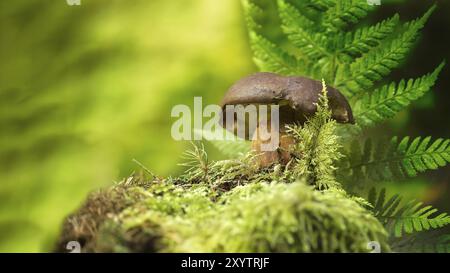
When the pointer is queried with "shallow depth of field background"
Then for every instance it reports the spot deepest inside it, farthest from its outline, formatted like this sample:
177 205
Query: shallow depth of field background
85 89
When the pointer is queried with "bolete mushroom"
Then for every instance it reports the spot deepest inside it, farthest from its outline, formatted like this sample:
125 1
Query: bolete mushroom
297 98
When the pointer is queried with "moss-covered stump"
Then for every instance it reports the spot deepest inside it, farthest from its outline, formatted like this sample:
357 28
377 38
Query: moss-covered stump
172 215
234 205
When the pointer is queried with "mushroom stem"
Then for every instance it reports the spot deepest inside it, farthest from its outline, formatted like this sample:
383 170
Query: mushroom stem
281 155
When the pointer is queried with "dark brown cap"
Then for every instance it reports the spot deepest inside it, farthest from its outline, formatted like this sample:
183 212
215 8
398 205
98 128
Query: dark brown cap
298 95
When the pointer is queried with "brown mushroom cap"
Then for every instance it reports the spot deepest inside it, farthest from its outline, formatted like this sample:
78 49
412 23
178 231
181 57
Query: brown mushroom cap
300 96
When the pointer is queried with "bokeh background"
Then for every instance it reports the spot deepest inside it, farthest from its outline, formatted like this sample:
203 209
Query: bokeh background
85 89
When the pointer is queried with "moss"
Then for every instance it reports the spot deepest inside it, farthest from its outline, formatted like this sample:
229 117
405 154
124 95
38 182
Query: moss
279 217
259 215
83 226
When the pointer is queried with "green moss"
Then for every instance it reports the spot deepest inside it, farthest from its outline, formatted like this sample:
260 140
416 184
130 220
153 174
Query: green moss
256 217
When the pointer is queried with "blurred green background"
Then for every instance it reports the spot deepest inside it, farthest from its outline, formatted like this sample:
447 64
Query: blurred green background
85 89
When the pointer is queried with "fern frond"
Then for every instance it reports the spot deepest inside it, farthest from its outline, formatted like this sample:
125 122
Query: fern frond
420 156
408 218
322 5
422 243
345 13
363 39
388 100
251 11
388 160
298 29
268 57
292 18
379 62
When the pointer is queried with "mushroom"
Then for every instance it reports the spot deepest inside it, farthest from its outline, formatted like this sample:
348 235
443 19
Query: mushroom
297 99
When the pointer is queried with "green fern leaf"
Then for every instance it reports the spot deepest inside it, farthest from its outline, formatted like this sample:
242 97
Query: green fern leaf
251 11
385 102
322 5
292 18
379 62
270 58
389 160
409 218
345 13
424 244
298 29
363 39
266 55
